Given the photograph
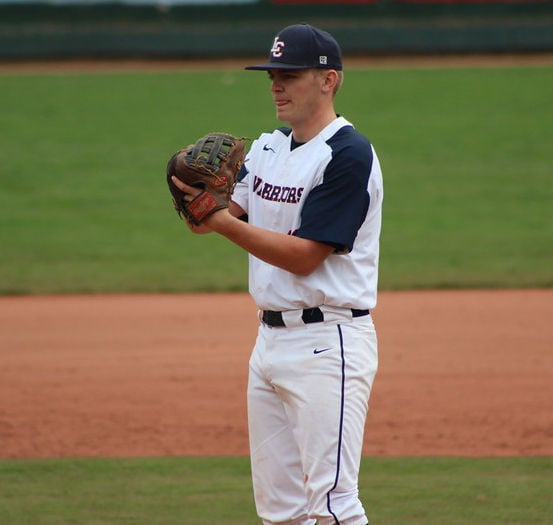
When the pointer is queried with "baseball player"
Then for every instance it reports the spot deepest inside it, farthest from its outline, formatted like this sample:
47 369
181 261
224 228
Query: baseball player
307 208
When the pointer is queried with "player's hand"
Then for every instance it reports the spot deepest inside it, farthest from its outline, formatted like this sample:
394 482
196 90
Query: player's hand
189 193
211 223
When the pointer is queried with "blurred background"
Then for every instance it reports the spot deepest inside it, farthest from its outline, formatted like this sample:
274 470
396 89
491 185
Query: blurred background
35 29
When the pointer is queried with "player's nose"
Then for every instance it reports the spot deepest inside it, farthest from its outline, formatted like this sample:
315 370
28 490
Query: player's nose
276 86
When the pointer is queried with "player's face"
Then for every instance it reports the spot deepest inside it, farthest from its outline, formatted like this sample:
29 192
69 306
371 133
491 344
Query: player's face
296 94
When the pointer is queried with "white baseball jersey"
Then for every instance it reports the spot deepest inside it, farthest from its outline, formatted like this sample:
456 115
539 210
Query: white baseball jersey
329 190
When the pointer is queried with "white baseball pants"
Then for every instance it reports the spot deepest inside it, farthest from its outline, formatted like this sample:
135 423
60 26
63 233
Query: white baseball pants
308 395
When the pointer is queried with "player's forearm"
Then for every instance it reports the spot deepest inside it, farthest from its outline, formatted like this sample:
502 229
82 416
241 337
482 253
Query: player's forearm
293 254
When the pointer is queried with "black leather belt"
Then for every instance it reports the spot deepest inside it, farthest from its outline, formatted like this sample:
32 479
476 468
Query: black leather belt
309 315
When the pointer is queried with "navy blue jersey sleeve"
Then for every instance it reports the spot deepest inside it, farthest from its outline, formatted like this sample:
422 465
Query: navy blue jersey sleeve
335 209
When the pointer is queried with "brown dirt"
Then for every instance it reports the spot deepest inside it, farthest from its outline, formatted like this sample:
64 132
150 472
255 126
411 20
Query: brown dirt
464 373
236 64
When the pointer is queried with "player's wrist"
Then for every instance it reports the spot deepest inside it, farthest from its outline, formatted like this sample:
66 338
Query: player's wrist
199 228
219 220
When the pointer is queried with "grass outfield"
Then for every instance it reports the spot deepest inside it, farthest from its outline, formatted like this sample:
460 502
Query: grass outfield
217 491
466 155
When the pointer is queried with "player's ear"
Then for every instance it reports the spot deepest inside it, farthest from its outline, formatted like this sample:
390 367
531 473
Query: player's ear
329 80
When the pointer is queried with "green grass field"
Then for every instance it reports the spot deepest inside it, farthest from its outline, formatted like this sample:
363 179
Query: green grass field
217 491
84 207
467 161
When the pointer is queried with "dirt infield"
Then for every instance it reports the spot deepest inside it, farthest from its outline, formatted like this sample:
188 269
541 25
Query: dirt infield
80 65
463 373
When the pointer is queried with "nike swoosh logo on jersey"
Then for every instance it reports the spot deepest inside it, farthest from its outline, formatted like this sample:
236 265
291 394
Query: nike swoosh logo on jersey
268 148
321 350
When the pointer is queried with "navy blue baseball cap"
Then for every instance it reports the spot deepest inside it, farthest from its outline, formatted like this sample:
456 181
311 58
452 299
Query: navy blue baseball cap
303 46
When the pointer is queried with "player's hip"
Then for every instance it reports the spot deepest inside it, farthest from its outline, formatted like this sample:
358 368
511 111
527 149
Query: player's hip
302 354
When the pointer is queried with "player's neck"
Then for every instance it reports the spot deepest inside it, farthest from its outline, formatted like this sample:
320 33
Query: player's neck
304 131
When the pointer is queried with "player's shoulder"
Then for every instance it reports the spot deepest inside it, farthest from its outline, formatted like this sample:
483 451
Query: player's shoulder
350 147
276 135
348 137
270 140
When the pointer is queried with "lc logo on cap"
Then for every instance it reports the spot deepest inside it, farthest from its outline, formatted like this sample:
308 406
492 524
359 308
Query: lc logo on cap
276 50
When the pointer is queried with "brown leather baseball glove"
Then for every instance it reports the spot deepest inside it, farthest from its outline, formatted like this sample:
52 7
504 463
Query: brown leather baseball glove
211 164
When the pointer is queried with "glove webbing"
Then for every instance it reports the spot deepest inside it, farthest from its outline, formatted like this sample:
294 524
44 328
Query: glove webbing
212 145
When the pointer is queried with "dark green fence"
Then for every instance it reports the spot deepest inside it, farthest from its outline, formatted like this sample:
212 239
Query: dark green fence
42 30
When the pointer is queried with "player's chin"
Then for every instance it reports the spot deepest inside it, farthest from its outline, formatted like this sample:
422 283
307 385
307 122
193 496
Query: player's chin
282 114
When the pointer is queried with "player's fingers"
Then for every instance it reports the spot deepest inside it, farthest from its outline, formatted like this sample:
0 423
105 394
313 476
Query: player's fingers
178 183
186 188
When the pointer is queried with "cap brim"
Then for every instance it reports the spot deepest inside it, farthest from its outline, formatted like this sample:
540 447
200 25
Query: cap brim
275 65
